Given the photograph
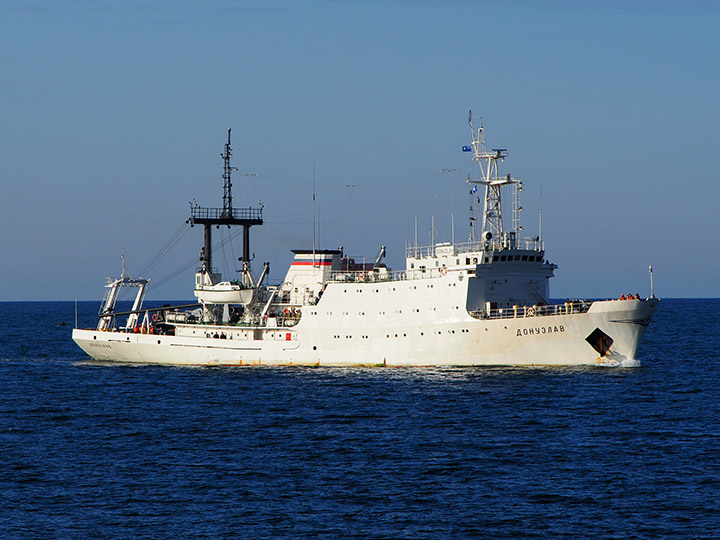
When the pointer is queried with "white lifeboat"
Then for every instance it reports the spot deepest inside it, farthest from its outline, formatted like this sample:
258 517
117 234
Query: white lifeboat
225 292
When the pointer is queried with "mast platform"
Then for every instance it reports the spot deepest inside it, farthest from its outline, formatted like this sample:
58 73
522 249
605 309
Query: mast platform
200 215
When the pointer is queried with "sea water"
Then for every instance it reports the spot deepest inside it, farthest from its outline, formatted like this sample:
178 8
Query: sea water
110 451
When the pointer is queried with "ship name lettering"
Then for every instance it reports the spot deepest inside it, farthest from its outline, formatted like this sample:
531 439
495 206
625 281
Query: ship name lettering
540 330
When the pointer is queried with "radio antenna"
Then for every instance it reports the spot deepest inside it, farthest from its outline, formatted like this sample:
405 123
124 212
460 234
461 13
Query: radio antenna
416 212
313 215
541 183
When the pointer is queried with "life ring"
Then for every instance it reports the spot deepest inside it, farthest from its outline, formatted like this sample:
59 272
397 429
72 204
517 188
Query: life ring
443 271
531 312
154 317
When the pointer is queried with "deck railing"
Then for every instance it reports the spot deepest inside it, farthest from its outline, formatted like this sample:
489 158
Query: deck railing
378 277
516 312
419 252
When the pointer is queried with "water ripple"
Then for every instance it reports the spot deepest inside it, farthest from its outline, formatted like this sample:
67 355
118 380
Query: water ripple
95 450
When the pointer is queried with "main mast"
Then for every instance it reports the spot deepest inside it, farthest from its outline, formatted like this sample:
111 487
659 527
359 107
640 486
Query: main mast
227 215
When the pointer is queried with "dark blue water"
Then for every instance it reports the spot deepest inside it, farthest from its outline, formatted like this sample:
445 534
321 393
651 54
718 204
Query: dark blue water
98 451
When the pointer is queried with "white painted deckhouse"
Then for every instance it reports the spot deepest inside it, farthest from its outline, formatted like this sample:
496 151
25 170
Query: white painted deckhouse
485 301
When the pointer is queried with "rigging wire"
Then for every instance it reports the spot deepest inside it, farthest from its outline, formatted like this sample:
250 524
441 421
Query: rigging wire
224 255
266 229
164 250
174 239
191 263
349 188
234 261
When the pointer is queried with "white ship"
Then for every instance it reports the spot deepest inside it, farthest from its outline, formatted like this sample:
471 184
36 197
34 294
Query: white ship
481 302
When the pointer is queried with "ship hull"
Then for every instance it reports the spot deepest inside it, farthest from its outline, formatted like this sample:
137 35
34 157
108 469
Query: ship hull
548 340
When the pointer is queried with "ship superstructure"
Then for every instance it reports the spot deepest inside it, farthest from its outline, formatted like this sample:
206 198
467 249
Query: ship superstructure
484 301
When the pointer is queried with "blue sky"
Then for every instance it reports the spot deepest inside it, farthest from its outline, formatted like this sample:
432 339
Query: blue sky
114 115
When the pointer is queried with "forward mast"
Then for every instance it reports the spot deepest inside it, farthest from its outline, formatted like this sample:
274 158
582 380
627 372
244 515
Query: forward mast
492 229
